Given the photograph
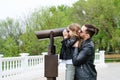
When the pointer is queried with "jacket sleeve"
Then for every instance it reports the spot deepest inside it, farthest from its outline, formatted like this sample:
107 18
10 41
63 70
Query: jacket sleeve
69 42
80 57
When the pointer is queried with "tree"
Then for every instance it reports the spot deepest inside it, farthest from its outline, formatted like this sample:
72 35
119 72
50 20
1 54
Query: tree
42 19
102 13
10 31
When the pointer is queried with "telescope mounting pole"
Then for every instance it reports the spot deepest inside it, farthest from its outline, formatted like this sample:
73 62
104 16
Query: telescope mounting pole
51 47
51 60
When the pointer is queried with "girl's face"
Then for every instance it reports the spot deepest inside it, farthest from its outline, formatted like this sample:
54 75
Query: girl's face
70 32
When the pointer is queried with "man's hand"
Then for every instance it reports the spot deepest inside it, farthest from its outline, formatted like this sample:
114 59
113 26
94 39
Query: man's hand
76 44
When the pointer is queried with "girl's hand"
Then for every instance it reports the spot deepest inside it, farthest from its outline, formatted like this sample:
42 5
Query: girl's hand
65 33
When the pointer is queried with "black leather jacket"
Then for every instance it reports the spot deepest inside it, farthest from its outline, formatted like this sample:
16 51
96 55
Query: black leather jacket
66 49
83 59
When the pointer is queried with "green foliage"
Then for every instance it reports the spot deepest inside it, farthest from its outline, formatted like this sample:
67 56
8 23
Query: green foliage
9 34
58 44
18 37
10 48
31 44
102 13
42 19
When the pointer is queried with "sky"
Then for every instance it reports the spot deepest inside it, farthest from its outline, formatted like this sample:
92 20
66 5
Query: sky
19 8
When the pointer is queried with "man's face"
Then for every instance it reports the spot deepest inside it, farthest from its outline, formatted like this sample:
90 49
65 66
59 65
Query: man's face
83 32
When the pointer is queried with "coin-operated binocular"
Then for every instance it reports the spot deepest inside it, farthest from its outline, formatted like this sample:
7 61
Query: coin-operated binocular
51 60
46 33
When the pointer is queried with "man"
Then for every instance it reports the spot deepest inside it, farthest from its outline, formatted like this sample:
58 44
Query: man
83 56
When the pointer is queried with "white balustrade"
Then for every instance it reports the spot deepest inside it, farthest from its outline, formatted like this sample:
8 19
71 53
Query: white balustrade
100 59
1 66
16 68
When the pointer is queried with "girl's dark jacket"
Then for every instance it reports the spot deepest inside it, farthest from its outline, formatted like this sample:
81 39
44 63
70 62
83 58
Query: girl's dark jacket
66 49
83 59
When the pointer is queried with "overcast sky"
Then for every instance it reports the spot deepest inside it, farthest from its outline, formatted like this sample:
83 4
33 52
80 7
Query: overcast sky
19 8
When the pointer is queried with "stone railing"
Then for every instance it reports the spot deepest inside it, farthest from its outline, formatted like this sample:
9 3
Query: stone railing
28 67
18 68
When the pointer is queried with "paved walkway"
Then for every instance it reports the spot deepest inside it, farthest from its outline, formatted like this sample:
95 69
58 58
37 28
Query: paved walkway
110 71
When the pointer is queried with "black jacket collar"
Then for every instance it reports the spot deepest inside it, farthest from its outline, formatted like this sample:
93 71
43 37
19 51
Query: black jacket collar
86 41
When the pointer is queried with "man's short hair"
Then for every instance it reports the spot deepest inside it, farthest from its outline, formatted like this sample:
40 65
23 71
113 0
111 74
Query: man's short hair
91 30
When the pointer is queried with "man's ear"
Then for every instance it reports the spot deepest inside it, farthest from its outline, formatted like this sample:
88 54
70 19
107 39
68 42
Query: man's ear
87 35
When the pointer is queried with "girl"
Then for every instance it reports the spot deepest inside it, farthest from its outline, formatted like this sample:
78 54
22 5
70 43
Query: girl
70 36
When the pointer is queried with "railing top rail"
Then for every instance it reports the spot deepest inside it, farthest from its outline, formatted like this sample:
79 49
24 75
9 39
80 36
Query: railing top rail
19 58
11 58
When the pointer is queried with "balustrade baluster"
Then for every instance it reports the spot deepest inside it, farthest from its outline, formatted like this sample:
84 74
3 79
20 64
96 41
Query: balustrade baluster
1 67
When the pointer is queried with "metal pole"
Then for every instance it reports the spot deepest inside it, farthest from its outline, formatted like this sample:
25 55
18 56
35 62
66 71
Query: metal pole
53 78
51 60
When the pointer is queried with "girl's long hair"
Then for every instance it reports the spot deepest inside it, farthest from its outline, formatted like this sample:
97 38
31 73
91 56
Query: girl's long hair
75 28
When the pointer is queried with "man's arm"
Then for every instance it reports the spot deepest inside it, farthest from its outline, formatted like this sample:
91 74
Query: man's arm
80 57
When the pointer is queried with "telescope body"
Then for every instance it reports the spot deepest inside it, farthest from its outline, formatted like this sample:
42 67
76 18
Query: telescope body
51 60
46 33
